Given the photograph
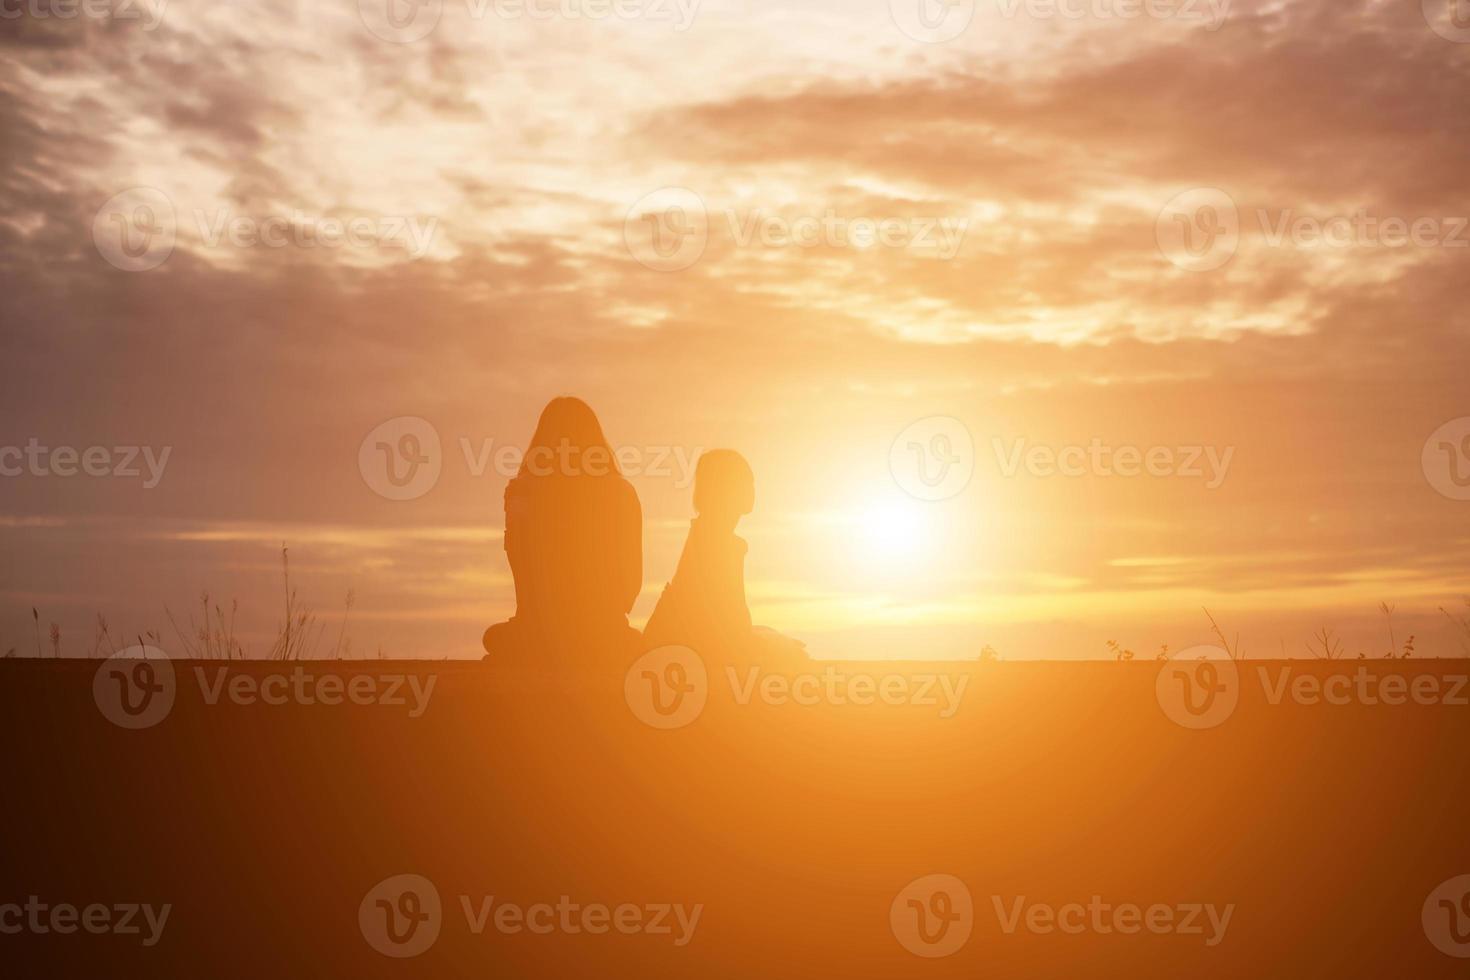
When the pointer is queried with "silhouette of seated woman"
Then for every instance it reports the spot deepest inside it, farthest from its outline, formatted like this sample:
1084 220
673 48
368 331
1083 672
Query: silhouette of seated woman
704 606
574 540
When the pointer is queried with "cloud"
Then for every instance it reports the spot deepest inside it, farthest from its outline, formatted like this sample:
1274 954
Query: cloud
1059 318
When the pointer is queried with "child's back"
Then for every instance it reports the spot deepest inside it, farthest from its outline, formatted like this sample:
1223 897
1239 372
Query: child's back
704 607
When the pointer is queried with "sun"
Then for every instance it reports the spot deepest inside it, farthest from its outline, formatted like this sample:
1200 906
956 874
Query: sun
892 532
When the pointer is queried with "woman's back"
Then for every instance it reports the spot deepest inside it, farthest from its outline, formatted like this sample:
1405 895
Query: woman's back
574 540
575 547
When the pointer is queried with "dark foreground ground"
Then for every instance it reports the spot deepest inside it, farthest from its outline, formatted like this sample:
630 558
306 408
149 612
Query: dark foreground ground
275 832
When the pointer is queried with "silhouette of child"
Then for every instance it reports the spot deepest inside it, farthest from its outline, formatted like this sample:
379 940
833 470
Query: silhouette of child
704 606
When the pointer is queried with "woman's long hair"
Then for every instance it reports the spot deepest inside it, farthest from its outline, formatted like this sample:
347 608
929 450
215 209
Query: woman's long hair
568 442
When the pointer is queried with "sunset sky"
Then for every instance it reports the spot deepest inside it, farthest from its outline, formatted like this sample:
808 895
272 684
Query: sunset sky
1039 179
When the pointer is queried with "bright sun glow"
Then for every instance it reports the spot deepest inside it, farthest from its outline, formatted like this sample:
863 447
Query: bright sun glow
893 531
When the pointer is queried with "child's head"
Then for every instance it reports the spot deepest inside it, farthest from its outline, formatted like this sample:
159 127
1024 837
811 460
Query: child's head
724 486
